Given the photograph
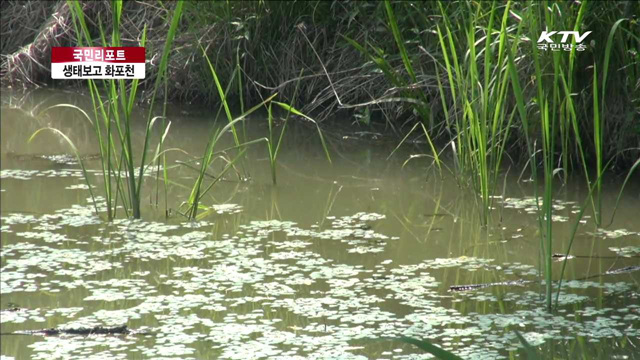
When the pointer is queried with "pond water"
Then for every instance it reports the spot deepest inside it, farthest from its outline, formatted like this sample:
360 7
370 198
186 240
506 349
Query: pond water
321 265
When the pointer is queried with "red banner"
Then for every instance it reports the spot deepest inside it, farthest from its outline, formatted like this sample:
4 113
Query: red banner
98 54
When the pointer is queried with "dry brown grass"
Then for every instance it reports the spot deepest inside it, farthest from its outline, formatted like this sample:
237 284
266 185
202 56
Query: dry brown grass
334 75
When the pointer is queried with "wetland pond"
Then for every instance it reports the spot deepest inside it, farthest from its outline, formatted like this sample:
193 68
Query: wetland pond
315 267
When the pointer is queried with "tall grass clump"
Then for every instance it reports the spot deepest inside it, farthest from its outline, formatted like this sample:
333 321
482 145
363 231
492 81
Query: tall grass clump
547 119
499 91
466 46
198 190
552 110
474 92
193 204
478 84
113 103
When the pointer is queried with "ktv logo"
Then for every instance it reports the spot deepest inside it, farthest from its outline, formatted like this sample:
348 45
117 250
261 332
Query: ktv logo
545 41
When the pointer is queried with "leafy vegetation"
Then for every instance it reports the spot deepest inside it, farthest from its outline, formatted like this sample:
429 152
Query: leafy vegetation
120 100
471 75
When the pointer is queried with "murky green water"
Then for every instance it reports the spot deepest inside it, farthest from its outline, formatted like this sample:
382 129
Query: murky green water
311 268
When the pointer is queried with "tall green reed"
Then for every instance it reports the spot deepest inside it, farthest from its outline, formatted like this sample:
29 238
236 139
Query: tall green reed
273 151
558 120
478 83
485 53
116 150
197 191
547 122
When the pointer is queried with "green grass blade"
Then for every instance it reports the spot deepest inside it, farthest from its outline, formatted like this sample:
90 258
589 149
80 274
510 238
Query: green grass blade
529 350
624 184
216 135
162 68
297 112
438 352
221 93
77 153
399 41
380 62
